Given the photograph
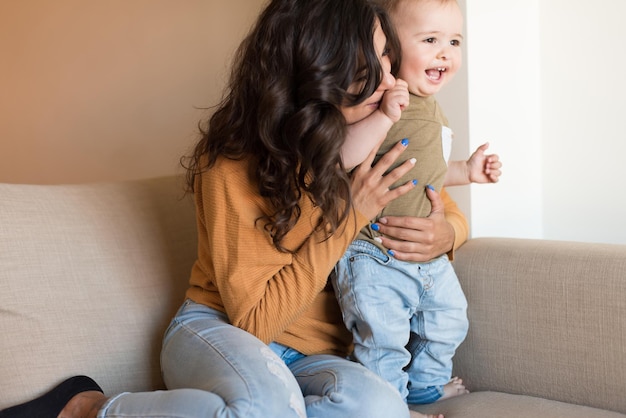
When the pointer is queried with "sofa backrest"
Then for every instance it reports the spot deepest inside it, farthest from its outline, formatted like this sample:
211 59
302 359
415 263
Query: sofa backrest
90 276
547 318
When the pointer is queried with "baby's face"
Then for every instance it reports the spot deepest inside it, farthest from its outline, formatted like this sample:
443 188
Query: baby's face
430 33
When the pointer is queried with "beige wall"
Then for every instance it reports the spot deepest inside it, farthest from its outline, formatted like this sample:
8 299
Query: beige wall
109 89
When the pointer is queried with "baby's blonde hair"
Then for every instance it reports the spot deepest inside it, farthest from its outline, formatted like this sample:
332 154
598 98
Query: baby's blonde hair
391 5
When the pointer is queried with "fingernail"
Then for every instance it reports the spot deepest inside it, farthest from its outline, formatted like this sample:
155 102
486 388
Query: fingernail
415 182
379 240
412 160
431 187
375 227
405 142
391 253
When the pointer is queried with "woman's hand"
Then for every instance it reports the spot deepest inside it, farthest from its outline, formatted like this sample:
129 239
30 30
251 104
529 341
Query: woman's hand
370 185
418 239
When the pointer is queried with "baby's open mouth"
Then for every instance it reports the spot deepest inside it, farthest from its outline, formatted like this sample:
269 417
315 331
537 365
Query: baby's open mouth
435 73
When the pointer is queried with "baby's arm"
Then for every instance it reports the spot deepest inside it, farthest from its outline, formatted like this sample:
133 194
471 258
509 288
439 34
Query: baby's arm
480 168
365 135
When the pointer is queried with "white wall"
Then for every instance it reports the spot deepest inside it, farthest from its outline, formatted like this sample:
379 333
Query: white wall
583 130
505 109
546 88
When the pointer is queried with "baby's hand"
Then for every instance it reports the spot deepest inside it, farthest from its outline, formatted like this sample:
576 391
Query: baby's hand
395 100
484 168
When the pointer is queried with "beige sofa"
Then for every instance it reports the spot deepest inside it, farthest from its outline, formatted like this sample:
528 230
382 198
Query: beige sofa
91 274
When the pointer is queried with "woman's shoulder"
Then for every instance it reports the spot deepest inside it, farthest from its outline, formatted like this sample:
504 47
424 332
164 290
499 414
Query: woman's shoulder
232 164
224 174
229 170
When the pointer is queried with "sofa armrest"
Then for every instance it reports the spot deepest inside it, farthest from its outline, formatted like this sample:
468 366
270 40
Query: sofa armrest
547 318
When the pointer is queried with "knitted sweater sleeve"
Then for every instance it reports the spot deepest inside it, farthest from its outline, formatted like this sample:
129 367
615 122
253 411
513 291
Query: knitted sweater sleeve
457 219
261 289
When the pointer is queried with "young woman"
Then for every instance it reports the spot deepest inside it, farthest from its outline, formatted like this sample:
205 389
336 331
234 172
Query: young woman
260 334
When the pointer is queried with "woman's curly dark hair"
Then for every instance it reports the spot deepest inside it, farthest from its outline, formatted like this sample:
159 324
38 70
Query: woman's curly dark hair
282 104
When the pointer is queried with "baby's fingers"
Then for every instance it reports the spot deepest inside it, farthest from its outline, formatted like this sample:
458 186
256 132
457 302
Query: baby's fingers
494 175
494 163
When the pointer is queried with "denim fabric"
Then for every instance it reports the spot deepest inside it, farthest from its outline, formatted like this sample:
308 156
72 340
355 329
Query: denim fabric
286 354
215 369
383 300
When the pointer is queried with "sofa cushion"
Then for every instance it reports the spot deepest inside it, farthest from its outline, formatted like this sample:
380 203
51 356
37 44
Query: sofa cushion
90 276
504 405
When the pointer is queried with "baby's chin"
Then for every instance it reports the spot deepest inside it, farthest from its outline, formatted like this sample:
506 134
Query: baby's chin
424 92
427 89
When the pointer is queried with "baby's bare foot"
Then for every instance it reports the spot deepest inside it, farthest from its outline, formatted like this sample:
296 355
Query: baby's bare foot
415 414
454 387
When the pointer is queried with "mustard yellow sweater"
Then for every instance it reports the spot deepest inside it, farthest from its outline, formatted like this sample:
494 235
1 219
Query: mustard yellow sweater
457 219
273 295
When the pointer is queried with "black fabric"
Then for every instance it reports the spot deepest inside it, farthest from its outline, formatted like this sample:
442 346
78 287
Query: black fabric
53 402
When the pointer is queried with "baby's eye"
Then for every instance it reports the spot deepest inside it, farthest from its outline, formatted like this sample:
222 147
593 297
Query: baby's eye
430 40
455 42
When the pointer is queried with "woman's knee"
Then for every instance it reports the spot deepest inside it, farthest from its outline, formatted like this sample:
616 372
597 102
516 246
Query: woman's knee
378 398
333 386
235 369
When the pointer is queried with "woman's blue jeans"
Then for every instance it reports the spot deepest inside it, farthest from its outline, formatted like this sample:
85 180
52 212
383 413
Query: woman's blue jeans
214 369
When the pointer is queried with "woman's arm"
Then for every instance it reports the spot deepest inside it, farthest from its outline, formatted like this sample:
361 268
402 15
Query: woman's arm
263 290
239 271
456 219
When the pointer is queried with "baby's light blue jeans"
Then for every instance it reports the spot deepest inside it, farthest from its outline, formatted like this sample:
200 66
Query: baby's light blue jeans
384 300
214 369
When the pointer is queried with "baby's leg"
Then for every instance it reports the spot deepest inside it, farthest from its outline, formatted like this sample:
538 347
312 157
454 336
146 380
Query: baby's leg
376 296
437 329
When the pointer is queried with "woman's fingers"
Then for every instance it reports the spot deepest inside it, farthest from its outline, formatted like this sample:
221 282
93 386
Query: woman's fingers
389 158
371 186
